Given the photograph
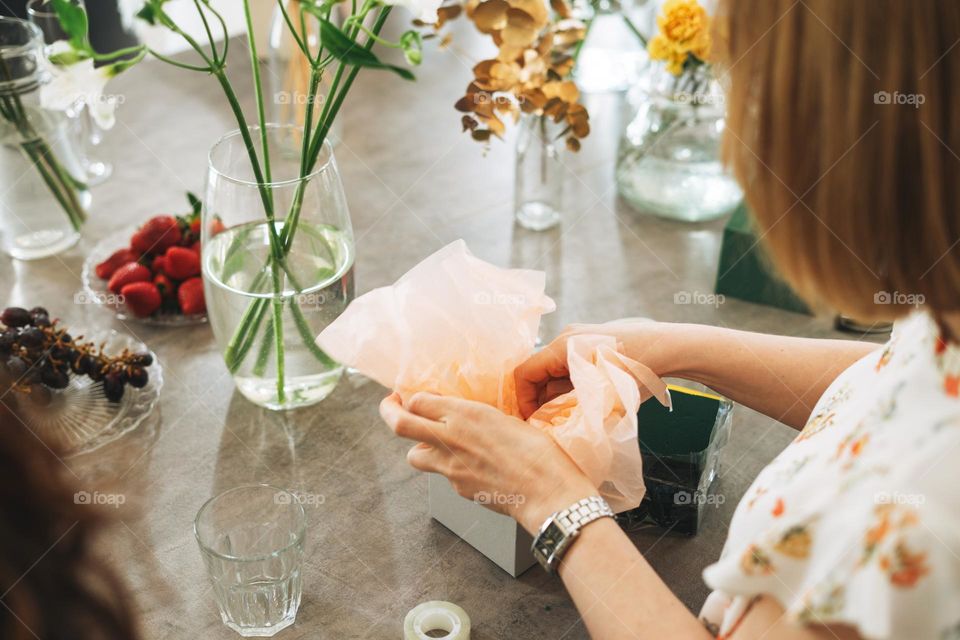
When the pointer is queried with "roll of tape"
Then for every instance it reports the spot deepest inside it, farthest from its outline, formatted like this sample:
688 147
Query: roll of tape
436 615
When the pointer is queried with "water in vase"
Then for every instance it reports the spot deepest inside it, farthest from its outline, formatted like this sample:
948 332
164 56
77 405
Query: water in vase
245 293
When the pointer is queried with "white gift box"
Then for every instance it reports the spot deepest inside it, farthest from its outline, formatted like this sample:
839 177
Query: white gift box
495 535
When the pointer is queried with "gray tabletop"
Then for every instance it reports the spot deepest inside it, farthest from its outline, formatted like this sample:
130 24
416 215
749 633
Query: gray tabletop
414 184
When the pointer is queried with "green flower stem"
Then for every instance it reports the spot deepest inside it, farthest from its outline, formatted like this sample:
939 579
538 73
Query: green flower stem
306 333
266 346
241 342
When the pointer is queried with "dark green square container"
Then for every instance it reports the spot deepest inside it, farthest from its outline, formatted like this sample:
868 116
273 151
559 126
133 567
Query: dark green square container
681 452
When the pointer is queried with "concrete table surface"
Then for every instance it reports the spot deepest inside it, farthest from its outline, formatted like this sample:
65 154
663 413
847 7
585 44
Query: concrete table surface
414 183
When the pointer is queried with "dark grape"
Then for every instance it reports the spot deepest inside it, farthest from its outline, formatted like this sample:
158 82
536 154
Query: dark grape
61 352
15 317
40 321
16 366
137 377
95 372
89 364
54 378
142 359
31 337
6 343
66 337
39 311
113 387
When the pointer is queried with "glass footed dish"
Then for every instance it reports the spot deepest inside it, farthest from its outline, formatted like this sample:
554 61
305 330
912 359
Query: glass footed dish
95 290
79 418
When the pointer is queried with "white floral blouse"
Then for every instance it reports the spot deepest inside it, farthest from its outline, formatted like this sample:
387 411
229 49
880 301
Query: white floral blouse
857 521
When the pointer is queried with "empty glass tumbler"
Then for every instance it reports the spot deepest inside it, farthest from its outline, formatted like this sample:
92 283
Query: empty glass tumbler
251 539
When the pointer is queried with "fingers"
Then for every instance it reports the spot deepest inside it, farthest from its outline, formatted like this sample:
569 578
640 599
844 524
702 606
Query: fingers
424 457
432 406
408 425
531 376
554 389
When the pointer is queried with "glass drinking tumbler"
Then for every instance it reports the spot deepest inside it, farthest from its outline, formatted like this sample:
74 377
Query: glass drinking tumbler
251 539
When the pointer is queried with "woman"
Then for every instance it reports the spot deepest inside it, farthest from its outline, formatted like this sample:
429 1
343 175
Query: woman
844 130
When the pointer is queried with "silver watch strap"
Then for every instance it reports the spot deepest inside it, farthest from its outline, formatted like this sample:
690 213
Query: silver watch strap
583 512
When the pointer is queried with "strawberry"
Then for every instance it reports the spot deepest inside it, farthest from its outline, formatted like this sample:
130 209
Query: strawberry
168 290
116 260
195 247
156 235
141 298
190 296
216 227
195 227
130 272
159 264
181 263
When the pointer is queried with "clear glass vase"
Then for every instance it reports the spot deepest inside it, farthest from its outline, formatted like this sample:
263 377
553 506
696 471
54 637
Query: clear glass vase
43 201
289 76
669 163
538 181
274 282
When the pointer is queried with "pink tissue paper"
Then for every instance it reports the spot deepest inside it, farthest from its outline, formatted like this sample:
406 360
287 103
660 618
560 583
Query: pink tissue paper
456 325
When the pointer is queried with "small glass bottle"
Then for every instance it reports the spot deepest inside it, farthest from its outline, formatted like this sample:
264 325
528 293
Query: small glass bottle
538 186
44 198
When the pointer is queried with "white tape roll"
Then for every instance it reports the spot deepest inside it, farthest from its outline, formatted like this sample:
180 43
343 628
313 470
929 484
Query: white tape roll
436 615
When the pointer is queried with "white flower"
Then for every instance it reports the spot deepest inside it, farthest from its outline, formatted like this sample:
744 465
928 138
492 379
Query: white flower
128 10
80 82
424 10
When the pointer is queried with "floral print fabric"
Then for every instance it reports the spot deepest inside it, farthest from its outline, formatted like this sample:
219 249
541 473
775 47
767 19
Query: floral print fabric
857 521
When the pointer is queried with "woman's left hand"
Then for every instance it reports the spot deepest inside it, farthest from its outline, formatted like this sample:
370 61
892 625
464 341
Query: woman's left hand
489 457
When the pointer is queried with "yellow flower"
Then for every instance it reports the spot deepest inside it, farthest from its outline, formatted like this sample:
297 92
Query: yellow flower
684 30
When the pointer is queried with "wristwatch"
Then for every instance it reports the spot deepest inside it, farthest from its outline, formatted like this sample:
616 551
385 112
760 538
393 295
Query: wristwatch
562 528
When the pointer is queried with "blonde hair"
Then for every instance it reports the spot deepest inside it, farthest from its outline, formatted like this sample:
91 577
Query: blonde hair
844 129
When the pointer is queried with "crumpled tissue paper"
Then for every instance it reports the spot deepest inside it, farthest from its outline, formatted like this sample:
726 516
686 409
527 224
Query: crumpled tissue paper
456 325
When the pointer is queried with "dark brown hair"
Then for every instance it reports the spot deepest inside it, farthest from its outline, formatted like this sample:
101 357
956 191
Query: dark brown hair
844 128
53 586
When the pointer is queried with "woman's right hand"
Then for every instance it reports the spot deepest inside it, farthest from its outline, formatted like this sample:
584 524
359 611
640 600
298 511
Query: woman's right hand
544 375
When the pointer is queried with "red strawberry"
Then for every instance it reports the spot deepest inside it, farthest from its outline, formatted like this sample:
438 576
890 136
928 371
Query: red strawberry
130 272
166 286
159 264
217 226
181 263
116 260
156 235
195 226
190 296
195 247
141 298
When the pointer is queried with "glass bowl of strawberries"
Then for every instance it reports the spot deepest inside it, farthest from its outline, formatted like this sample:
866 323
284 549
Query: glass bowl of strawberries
150 273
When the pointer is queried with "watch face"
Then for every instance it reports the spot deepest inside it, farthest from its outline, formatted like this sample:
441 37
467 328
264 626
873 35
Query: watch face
551 536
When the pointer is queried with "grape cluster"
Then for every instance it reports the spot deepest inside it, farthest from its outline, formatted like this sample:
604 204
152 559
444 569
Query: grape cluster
37 355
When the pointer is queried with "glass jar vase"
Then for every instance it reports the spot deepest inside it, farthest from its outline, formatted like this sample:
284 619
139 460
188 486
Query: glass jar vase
273 281
538 178
669 163
44 199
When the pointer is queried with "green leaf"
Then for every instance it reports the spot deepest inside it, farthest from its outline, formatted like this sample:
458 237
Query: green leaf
353 53
73 20
148 14
195 203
